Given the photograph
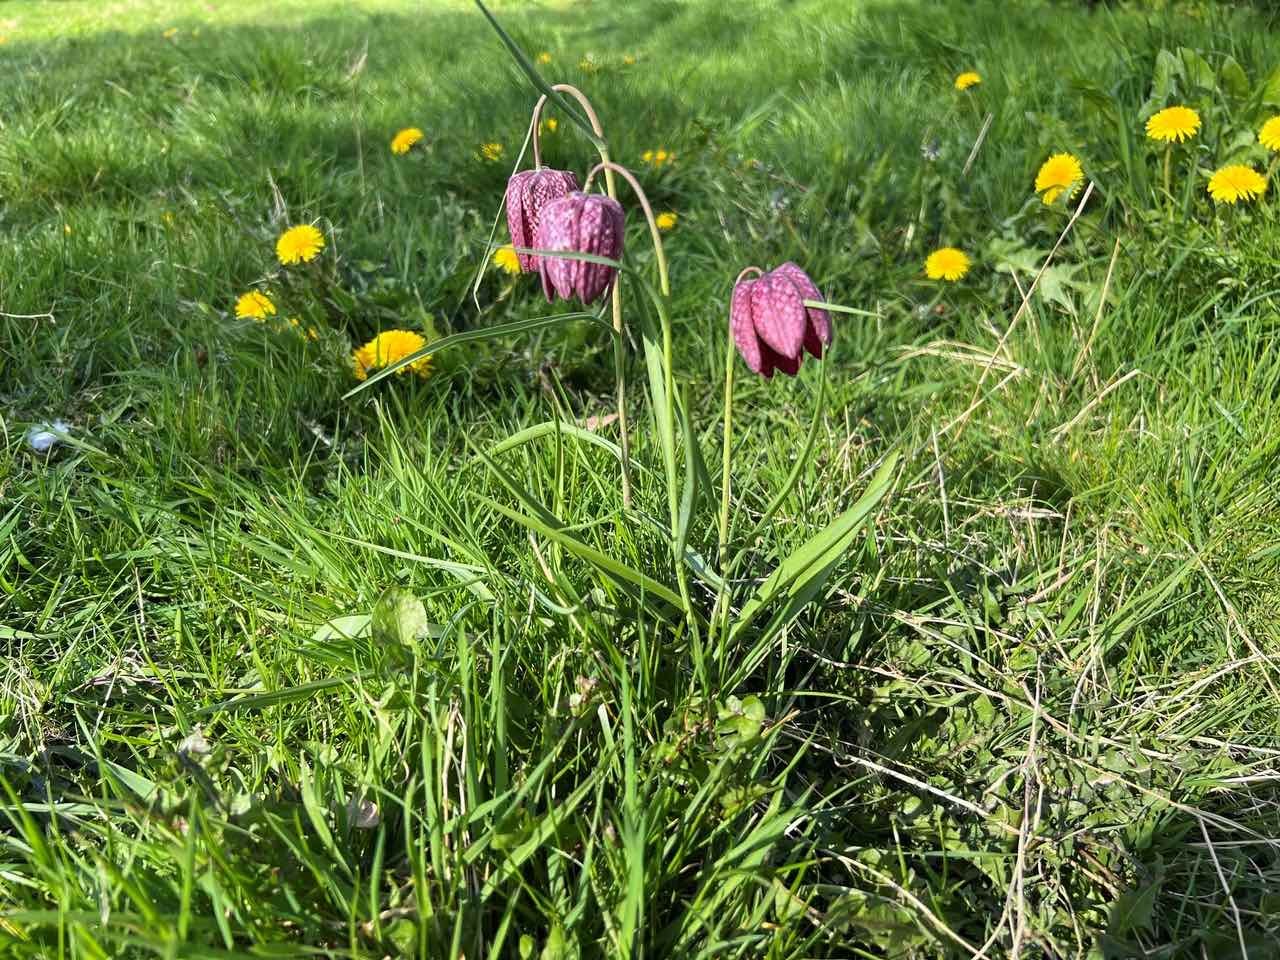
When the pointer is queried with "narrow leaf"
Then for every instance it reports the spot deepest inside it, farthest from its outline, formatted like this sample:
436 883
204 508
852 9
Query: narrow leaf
812 561
467 336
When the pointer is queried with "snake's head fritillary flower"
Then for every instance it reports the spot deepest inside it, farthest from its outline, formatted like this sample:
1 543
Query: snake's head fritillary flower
300 244
528 193
403 141
1236 182
948 264
968 79
1269 135
580 223
1173 124
1060 174
770 323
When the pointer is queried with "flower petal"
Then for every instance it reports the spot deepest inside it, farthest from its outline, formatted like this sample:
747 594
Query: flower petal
742 328
817 334
600 232
776 361
516 222
556 231
778 313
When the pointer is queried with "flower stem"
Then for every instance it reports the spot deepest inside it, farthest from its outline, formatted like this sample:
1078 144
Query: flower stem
619 340
669 406
664 280
1168 190
721 613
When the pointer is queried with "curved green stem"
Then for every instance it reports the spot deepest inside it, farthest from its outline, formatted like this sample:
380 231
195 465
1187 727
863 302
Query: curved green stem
666 402
1168 179
721 613
664 280
619 342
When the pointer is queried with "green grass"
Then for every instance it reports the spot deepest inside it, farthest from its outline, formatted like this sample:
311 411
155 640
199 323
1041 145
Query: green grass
282 675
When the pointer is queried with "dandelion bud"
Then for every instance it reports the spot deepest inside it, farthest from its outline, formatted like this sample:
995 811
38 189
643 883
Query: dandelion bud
528 192
770 323
580 223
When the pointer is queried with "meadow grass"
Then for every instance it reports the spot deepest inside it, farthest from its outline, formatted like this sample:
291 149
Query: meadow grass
282 675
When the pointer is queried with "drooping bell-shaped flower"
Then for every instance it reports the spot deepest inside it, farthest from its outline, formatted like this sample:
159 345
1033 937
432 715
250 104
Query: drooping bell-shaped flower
770 323
579 223
528 192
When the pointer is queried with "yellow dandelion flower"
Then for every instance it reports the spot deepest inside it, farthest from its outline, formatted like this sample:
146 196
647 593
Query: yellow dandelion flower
948 264
647 156
255 305
387 348
299 244
1173 124
588 64
544 58
658 158
505 257
66 228
170 33
629 59
1060 174
666 221
1236 182
491 151
968 79
403 141
1269 135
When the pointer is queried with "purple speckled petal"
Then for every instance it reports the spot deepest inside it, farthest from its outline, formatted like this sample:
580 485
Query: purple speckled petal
742 328
778 313
528 193
579 223
544 187
600 232
776 361
516 222
557 229
817 333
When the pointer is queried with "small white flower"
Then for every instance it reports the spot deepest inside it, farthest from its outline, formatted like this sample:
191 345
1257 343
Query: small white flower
194 744
42 438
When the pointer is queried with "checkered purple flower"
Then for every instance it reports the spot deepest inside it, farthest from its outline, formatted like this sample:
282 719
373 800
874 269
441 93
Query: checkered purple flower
579 223
770 323
528 193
